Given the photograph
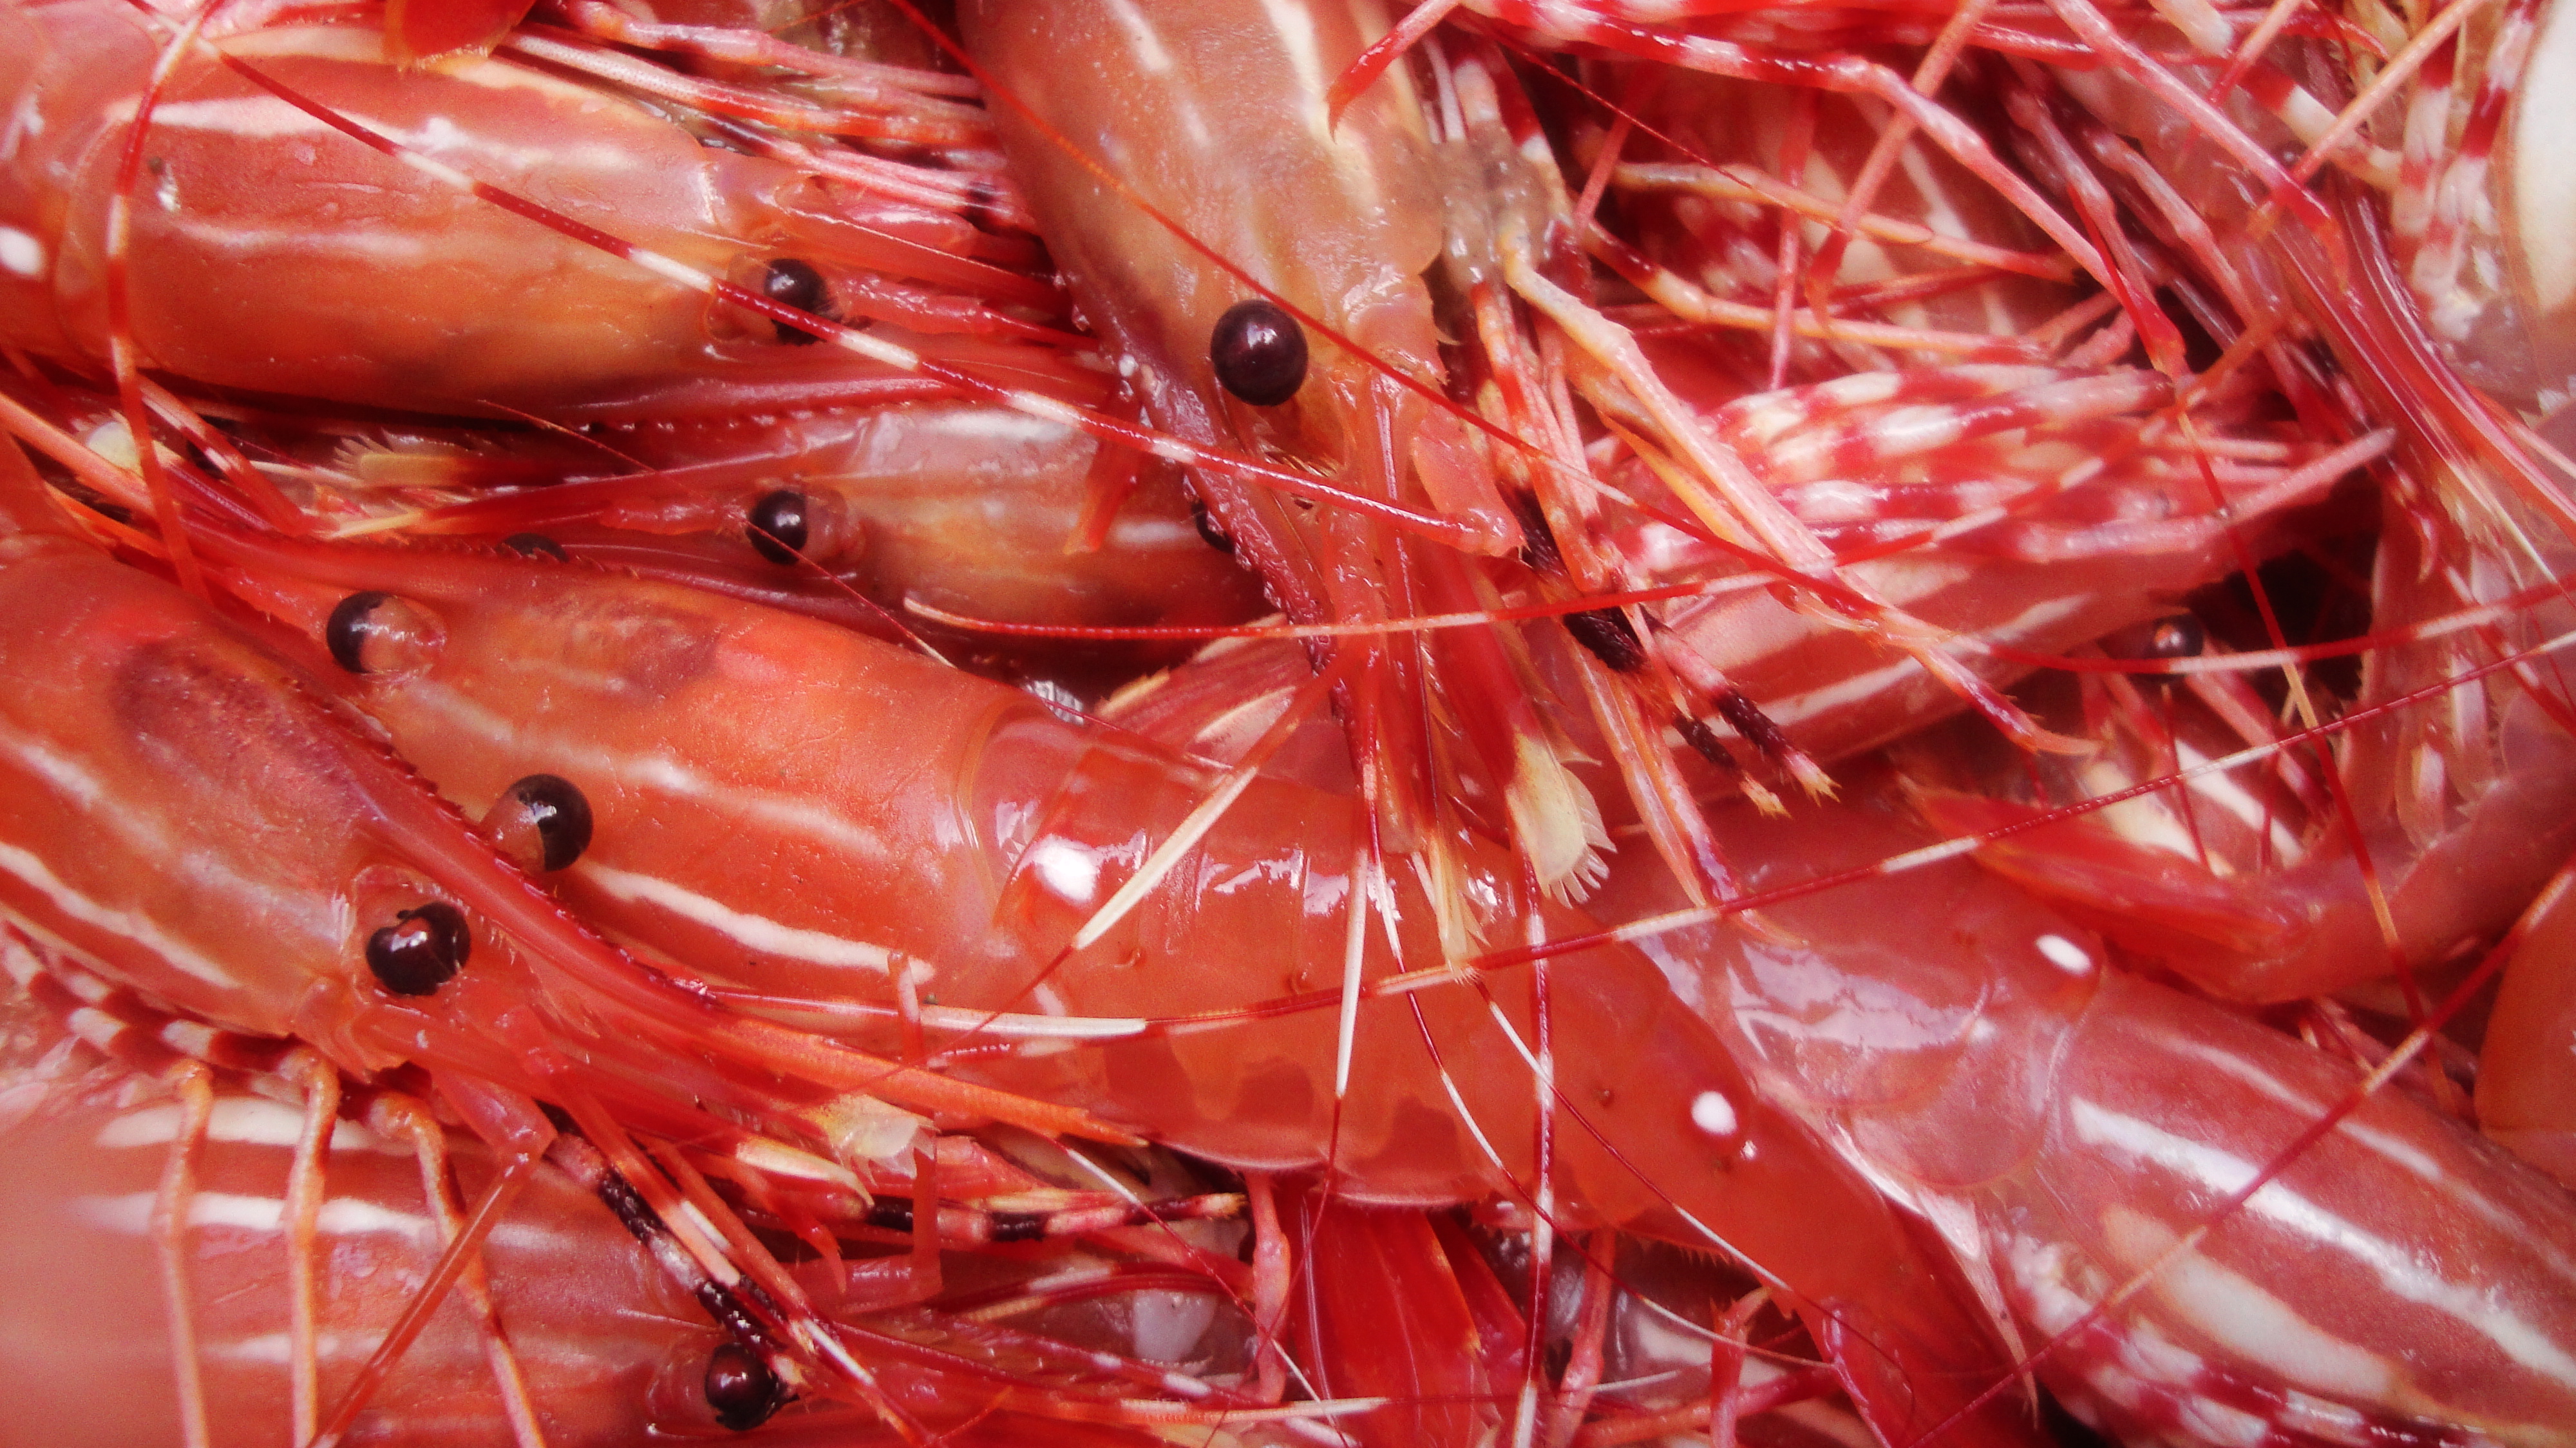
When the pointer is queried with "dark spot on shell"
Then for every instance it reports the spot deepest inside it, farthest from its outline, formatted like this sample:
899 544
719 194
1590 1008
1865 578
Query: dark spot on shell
216 720
1209 529
1017 1226
1704 739
1610 637
1538 541
629 649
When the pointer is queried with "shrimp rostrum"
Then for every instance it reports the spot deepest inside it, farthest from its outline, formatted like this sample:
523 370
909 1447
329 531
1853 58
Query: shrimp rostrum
1604 460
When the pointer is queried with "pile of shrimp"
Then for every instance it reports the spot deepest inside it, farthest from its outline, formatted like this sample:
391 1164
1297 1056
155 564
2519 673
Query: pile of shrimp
1111 722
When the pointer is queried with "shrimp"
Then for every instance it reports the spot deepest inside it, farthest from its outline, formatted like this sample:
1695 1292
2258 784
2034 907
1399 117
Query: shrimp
2463 587
2068 1126
865 517
1854 652
585 334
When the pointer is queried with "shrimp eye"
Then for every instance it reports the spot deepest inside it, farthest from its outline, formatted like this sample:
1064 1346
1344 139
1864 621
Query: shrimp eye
347 631
549 808
531 545
2179 637
741 1388
781 524
797 284
424 947
1259 353
2175 636
376 633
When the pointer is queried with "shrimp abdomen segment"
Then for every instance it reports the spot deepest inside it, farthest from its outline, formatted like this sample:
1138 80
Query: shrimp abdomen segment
2399 1277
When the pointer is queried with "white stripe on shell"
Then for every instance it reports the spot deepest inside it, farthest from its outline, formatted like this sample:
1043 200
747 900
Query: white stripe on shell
2400 1272
132 925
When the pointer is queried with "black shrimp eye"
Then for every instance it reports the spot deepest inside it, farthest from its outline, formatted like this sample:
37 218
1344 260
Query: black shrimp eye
2175 636
378 633
346 633
424 947
553 809
780 525
800 286
2180 637
530 545
1259 352
741 1388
